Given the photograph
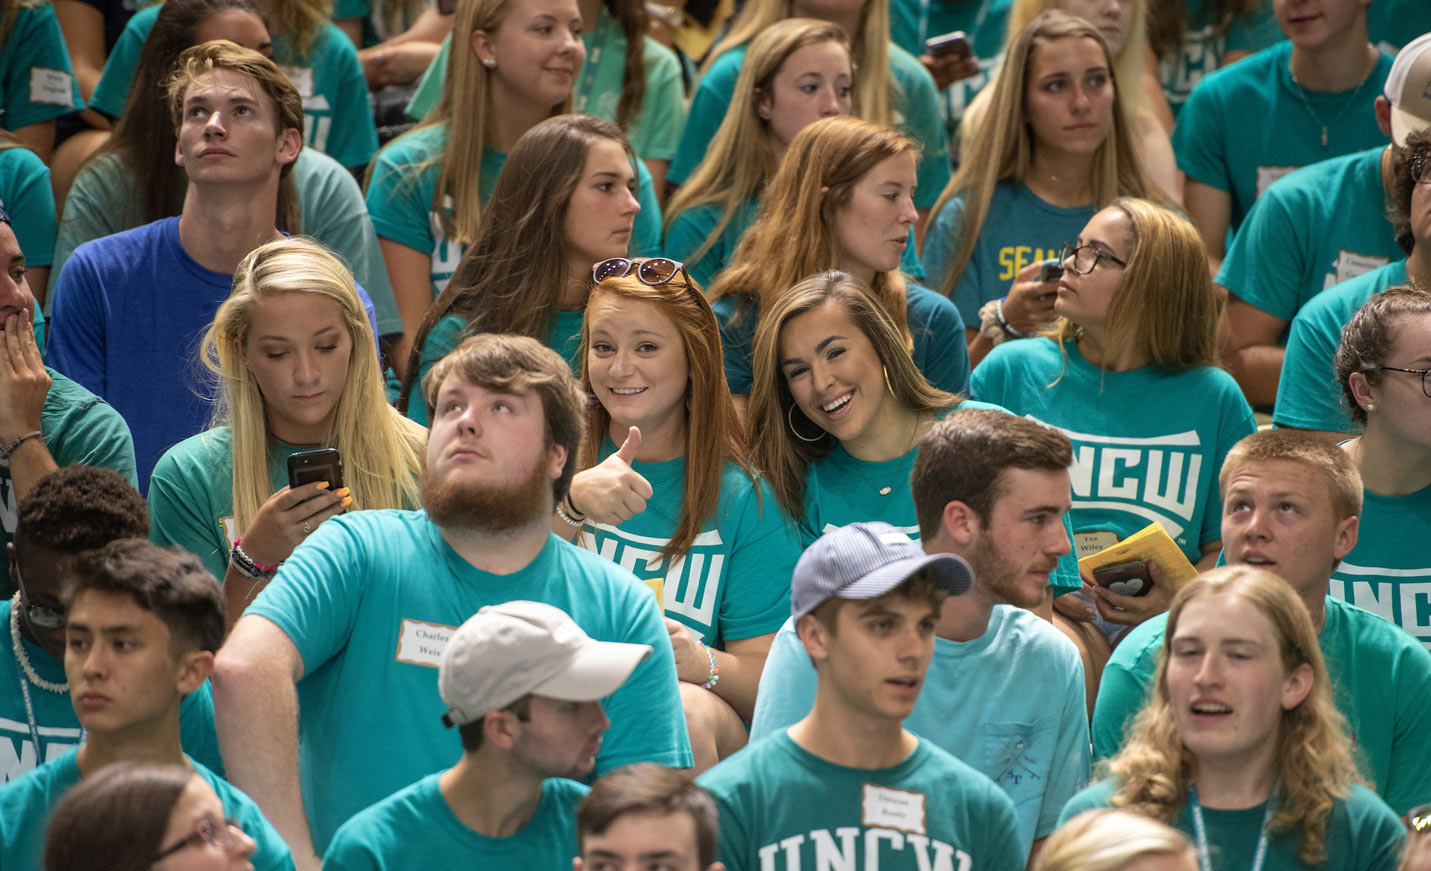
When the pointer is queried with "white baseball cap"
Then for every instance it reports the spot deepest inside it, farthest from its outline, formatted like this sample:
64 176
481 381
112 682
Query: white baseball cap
514 649
1408 87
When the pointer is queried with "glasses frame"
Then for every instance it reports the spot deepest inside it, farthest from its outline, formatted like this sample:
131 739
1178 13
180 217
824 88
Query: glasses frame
1424 373
622 266
206 832
1419 167
1071 251
1419 819
38 615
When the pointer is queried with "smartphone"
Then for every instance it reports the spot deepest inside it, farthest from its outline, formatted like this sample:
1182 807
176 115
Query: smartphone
1126 579
1051 270
323 464
953 44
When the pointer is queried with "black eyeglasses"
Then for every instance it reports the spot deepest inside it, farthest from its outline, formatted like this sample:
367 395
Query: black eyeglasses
1419 166
217 834
1085 257
654 271
1424 373
39 615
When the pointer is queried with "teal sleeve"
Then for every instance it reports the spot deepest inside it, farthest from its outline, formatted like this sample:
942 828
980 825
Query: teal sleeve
27 196
353 138
178 513
89 214
909 262
1003 848
1407 784
737 338
756 599
441 339
397 203
1198 141
1308 395
663 109
1070 773
96 437
708 108
351 9
919 104
271 853
940 349
938 255
37 82
787 685
1264 264
1099 795
646 232
196 729
733 849
1122 690
112 90
429 87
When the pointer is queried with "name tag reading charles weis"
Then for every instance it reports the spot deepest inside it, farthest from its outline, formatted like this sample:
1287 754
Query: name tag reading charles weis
421 643
888 808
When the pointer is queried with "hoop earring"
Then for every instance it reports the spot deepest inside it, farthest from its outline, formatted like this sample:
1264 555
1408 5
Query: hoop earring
889 386
790 418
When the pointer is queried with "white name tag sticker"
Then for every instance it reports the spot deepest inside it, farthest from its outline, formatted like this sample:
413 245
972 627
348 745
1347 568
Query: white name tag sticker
1268 174
1351 264
1092 541
55 87
887 808
302 79
421 643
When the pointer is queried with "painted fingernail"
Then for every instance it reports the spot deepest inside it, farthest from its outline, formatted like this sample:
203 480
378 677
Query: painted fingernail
322 485
343 491
347 500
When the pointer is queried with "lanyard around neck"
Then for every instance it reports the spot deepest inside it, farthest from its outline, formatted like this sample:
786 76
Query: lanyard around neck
1204 858
593 60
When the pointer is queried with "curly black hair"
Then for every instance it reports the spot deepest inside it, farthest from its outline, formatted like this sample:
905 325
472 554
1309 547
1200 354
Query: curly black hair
81 507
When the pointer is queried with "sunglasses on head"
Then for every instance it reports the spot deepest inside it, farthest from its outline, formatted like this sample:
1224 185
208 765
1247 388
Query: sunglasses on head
654 271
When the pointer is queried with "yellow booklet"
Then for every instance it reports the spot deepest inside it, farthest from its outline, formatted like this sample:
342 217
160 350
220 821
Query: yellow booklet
1150 543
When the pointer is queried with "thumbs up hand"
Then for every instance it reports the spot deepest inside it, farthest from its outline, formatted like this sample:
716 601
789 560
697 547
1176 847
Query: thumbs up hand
612 492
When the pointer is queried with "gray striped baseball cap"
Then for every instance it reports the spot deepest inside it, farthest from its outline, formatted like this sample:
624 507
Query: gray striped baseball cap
865 561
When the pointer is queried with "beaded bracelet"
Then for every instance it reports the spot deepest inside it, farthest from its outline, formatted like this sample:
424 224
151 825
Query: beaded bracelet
7 451
247 566
714 676
567 518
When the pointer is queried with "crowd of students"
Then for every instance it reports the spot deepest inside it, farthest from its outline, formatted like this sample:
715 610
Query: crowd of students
726 395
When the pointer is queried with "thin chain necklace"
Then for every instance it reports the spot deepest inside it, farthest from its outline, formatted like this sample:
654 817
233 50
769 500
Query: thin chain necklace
887 489
28 675
1306 104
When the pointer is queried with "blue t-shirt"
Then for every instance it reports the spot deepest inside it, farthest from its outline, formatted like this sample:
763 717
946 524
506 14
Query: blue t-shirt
1018 229
1216 145
1029 735
26 196
1321 225
782 808
734 582
26 805
1308 395
416 828
37 82
337 116
370 599
1147 444
915 105
129 313
940 351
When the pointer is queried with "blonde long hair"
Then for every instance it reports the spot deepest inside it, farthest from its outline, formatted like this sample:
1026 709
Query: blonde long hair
299 20
1314 760
876 92
1003 150
382 450
741 159
1107 839
793 234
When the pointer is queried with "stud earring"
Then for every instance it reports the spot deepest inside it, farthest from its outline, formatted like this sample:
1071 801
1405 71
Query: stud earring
489 63
1371 406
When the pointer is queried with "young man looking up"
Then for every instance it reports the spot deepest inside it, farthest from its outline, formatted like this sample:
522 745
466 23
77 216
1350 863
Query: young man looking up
993 489
523 685
646 816
1290 504
358 616
143 625
848 781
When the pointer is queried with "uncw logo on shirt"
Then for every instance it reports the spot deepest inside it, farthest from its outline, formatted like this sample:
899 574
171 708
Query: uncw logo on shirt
851 847
1157 478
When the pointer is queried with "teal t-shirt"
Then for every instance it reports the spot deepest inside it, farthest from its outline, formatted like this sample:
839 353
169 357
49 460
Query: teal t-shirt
27 803
80 428
782 808
940 352
1391 24
376 27
657 127
55 721
400 198
1362 833
1203 47
734 582
450 330
916 110
1018 229
370 599
1379 678
1308 395
26 197
1216 145
1147 444
37 82
1389 570
1029 736
337 116
103 200
1319 226
911 22
416 828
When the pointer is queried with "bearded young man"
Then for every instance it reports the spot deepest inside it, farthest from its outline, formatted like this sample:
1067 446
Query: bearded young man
352 630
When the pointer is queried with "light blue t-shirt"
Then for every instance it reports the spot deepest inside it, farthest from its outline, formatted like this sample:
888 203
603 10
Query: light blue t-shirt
1321 225
1216 145
1202 49
37 82
26 196
1308 395
416 828
911 22
734 582
1018 229
782 808
916 114
1379 678
940 352
1147 444
27 803
1389 570
337 115
1029 735
1362 833
400 198
370 600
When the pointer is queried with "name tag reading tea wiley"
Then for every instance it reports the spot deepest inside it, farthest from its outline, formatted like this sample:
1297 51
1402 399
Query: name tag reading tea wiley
893 809
421 643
